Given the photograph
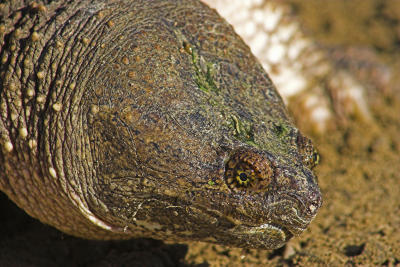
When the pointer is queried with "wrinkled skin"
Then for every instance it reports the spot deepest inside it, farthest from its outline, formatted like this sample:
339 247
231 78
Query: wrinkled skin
124 119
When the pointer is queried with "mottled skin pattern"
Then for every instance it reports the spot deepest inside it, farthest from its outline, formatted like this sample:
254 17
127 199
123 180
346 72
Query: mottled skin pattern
124 119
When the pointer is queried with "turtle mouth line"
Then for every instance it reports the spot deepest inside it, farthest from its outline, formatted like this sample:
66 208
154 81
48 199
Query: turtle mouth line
286 232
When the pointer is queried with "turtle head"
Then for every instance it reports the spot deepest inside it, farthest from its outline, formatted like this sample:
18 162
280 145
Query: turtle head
193 142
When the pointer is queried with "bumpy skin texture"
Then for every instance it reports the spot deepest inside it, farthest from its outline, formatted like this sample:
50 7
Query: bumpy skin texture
124 119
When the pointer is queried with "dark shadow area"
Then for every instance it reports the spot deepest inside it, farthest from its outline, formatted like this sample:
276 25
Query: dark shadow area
354 250
27 242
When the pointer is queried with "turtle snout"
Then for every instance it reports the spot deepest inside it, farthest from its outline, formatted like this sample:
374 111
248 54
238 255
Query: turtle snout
312 201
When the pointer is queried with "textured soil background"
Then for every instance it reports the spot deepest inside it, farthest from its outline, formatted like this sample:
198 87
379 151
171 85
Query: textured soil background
359 174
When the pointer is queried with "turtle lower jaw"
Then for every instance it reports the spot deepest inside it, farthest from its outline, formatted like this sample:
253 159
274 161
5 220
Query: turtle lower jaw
286 232
264 236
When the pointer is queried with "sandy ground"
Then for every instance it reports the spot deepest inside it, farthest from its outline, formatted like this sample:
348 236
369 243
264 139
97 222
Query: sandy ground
359 174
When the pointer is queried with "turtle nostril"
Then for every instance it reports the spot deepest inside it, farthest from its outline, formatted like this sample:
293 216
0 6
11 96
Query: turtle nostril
315 202
312 208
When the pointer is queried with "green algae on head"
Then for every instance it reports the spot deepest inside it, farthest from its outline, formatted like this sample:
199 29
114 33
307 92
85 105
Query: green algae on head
154 120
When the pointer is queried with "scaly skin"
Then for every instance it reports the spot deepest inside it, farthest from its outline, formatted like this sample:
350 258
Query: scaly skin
124 119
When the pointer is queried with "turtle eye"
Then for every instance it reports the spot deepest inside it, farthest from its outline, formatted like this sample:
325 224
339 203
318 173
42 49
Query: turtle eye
315 158
307 151
311 158
245 177
248 171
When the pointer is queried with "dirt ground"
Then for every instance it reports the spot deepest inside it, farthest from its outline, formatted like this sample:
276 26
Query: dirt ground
359 174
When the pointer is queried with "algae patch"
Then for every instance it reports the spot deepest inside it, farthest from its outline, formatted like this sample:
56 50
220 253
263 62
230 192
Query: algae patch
205 71
242 131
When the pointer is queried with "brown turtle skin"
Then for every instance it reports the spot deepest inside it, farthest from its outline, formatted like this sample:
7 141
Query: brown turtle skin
122 119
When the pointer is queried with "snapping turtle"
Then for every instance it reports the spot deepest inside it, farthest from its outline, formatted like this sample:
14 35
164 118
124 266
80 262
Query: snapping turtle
122 119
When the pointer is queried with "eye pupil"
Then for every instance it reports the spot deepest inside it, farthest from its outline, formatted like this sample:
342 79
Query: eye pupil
243 177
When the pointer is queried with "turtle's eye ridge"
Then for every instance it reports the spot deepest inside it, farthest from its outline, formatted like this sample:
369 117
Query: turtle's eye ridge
248 171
